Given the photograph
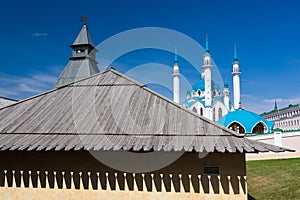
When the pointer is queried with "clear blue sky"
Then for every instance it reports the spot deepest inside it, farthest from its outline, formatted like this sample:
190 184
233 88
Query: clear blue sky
35 38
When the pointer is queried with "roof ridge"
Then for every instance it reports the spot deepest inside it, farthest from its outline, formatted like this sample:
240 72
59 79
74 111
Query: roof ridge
50 91
177 105
112 70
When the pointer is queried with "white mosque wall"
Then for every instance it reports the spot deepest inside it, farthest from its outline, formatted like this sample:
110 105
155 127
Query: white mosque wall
216 110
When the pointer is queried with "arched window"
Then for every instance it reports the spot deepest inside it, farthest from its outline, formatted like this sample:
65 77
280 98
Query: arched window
220 114
195 109
201 112
214 114
259 128
237 127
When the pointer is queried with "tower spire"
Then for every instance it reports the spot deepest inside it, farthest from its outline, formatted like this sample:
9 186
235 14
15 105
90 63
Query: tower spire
236 81
83 19
235 57
207 75
275 106
83 62
206 43
176 75
175 56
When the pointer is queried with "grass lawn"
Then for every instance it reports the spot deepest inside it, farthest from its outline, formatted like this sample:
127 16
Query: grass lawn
274 179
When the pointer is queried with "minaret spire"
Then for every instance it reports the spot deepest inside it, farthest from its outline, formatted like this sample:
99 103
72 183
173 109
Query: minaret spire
206 43
236 81
207 76
235 57
176 75
175 56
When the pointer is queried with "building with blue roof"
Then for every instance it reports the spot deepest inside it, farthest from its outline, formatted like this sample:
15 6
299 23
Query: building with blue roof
243 121
212 101
206 97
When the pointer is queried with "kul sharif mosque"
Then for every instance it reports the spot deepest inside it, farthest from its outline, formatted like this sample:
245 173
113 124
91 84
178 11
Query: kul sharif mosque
207 99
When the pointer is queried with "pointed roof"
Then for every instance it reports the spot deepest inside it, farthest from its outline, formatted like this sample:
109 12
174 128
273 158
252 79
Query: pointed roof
206 44
275 106
235 57
83 37
109 111
80 65
175 56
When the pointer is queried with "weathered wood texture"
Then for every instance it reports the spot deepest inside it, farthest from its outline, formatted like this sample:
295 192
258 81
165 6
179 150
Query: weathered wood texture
109 111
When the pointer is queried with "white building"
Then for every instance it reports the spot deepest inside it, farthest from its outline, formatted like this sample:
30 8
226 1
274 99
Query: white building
206 97
287 118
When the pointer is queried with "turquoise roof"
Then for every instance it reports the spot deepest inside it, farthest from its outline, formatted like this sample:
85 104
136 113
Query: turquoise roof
193 100
246 118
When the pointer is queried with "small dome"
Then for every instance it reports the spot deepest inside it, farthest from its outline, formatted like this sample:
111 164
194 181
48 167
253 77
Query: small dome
199 85
251 122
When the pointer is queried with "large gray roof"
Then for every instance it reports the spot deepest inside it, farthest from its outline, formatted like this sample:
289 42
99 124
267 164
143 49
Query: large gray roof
109 111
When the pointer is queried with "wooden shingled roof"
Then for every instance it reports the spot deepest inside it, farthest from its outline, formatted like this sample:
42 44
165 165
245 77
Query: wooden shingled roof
109 111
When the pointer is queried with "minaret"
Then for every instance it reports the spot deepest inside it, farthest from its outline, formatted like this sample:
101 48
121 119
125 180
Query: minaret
236 81
207 75
83 62
226 95
176 76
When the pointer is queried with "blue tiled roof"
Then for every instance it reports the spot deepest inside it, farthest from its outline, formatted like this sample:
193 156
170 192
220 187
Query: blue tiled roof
246 118
193 100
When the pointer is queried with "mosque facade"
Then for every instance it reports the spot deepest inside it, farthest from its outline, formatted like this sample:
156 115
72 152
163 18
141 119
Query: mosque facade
206 97
209 100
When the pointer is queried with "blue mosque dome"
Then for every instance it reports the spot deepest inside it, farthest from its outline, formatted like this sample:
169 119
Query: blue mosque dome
246 122
199 85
